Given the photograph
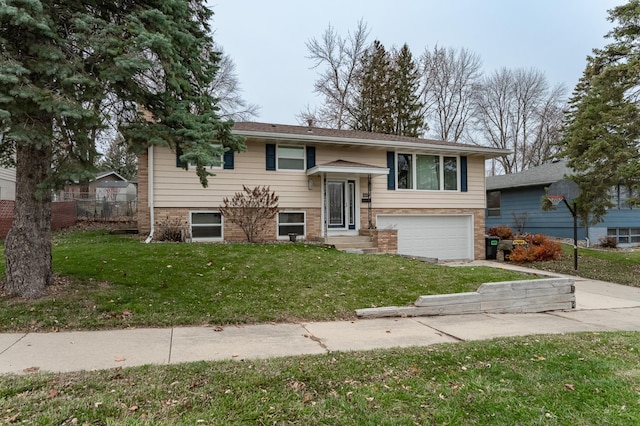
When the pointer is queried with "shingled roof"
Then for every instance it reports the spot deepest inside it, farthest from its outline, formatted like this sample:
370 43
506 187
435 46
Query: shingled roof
545 174
324 135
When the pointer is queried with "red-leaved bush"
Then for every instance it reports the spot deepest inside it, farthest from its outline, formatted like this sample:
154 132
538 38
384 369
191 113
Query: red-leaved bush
502 231
539 249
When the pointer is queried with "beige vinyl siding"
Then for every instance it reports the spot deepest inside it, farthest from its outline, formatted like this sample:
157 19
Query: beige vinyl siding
176 187
384 198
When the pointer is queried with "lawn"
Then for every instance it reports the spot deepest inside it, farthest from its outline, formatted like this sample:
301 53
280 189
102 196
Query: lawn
618 266
578 379
114 281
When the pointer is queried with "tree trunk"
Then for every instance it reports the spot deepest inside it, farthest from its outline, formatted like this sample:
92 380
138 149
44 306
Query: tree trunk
28 243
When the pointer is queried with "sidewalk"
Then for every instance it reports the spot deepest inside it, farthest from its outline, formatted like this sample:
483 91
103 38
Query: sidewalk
601 306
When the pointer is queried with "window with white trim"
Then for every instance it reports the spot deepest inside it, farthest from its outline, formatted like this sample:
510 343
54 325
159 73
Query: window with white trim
205 225
427 172
625 235
219 160
493 203
290 157
292 222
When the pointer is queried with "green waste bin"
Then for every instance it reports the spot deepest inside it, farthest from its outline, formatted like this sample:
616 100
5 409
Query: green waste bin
491 247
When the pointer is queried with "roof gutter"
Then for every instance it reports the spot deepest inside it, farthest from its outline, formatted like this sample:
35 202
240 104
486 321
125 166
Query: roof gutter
487 152
150 190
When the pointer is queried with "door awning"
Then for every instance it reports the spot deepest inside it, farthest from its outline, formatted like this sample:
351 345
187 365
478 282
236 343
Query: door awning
347 167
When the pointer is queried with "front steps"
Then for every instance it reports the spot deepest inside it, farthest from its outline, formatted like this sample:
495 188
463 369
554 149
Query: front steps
353 244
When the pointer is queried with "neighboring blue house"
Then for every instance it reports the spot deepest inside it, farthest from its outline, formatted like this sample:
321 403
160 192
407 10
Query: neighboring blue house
516 198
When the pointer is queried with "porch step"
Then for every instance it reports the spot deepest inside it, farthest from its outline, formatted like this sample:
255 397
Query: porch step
356 244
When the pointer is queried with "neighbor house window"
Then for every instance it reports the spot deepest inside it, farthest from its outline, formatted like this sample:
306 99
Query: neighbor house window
625 235
290 157
206 226
493 203
427 172
291 223
622 197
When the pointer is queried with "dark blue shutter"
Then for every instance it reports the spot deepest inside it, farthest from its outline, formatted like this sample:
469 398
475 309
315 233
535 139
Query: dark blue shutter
311 157
228 160
178 154
464 184
271 156
391 164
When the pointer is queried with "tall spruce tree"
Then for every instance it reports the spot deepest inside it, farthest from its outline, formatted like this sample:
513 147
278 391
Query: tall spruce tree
374 98
602 129
408 109
62 63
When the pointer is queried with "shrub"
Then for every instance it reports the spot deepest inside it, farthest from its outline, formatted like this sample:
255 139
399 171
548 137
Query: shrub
251 209
502 231
171 230
539 249
609 242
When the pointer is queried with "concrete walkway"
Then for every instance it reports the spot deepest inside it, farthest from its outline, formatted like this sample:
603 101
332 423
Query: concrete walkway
601 306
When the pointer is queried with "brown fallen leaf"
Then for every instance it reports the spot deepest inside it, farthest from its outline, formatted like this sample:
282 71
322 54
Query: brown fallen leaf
218 328
570 386
31 369
133 408
52 393
120 359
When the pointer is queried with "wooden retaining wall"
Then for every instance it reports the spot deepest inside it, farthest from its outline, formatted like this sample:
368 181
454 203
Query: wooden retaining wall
551 294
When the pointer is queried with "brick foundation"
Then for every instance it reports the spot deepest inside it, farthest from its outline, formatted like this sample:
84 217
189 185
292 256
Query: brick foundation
385 240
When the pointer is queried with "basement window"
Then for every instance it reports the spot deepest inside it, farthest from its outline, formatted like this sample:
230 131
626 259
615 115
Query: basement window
206 226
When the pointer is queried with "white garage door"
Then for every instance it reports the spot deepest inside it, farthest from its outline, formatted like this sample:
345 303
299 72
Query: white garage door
442 237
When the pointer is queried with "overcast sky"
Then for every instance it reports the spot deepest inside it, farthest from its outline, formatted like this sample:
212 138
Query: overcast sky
266 39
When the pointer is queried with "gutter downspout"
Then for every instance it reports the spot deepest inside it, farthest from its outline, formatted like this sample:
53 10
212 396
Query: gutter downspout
150 189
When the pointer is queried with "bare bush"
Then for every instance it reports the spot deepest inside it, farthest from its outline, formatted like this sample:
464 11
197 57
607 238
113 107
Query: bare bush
251 209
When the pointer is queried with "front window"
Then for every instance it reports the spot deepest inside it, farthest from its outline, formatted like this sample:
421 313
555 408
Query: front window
405 173
206 226
291 223
450 173
217 161
427 172
493 203
290 157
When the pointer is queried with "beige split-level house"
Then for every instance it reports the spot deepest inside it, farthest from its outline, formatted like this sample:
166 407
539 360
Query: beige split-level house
410 195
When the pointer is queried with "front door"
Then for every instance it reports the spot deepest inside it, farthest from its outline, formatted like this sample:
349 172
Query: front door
341 196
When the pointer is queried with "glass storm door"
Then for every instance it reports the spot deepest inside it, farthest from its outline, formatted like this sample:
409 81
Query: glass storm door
336 204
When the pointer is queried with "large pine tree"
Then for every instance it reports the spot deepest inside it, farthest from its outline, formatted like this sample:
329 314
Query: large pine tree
408 109
602 132
67 68
373 107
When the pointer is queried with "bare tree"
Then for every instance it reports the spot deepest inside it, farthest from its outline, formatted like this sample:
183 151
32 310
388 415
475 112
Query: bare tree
226 89
516 110
340 58
450 78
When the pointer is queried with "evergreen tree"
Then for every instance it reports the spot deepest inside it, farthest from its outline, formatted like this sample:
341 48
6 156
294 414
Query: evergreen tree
602 129
62 64
407 107
374 99
119 158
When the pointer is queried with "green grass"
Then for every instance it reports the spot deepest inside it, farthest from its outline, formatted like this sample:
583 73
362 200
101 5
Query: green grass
578 379
117 281
618 266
